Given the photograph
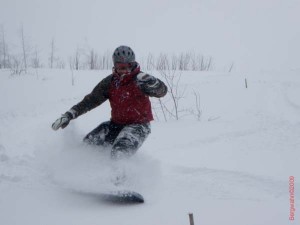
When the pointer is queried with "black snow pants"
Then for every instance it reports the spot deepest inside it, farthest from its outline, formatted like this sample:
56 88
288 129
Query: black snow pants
124 140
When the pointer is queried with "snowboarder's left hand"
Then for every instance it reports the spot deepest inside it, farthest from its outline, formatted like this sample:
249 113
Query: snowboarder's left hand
63 121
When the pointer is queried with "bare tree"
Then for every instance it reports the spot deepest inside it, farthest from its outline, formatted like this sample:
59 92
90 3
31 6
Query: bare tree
52 58
209 64
161 104
172 79
198 111
193 61
1 54
184 60
174 62
101 61
150 62
231 67
77 59
25 48
3 50
104 61
36 62
36 59
92 60
163 62
17 65
72 64
109 63
204 64
60 64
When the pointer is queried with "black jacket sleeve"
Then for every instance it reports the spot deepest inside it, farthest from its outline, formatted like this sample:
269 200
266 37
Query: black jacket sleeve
94 99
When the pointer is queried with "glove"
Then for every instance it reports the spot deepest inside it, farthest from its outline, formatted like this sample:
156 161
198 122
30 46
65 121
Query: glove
144 78
63 121
147 82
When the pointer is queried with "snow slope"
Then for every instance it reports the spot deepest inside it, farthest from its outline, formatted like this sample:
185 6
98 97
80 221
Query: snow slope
231 167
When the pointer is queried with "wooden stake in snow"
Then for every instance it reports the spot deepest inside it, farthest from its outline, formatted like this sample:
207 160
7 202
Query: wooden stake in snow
246 84
191 218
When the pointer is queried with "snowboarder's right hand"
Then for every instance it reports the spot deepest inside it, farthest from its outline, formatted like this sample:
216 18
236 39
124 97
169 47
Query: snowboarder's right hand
63 121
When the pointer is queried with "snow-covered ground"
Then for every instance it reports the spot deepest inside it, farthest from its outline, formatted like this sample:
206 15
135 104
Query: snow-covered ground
230 168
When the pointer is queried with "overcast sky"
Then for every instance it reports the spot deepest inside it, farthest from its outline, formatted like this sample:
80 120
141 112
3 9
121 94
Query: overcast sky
254 34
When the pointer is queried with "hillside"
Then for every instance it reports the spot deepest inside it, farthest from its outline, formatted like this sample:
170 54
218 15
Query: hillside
231 166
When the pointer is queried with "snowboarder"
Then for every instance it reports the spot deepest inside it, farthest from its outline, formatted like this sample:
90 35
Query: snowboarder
128 90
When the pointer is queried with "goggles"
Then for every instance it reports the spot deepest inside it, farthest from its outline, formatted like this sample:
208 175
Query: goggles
126 67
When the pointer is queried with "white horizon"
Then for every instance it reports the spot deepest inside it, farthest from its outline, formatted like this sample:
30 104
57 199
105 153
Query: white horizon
254 35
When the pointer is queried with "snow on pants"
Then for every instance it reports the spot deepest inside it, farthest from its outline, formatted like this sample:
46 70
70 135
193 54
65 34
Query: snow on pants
124 139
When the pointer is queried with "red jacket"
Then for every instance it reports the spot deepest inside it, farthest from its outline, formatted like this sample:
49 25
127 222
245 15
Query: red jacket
129 101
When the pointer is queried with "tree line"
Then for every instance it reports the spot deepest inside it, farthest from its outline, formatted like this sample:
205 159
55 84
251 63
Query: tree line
89 59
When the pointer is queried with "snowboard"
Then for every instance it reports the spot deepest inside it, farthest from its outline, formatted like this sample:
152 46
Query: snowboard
125 197
117 197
